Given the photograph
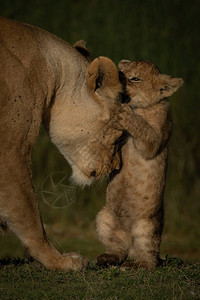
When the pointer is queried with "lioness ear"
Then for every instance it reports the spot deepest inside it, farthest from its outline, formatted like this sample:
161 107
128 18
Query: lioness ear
80 46
102 75
169 85
123 64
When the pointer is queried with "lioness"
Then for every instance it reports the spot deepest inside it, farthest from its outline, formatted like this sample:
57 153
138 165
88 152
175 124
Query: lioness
130 224
44 79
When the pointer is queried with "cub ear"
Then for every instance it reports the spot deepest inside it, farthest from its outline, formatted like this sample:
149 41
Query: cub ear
103 75
123 64
169 85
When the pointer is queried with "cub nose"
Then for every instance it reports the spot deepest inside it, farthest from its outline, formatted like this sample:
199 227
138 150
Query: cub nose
93 173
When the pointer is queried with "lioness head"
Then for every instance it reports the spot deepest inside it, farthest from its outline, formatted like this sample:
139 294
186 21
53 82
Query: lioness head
145 84
83 131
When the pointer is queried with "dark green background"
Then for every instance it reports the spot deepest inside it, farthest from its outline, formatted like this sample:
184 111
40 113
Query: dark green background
165 32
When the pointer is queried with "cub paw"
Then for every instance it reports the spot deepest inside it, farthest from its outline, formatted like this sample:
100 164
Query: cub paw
137 265
123 117
105 260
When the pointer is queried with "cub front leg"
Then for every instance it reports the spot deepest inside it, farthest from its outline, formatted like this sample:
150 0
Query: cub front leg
115 240
18 207
146 139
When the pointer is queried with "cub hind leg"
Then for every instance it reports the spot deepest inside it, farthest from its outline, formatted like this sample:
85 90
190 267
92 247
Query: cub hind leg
114 238
145 243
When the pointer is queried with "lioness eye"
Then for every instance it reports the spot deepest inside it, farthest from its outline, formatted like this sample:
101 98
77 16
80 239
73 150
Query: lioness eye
135 79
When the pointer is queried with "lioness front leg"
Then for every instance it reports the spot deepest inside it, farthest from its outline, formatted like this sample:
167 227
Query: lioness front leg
19 209
115 240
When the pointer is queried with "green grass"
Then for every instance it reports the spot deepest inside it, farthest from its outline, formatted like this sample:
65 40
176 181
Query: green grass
24 281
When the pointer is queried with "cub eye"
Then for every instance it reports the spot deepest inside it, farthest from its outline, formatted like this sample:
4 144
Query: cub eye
135 79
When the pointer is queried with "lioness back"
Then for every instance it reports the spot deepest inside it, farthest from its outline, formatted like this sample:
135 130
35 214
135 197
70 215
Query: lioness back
27 77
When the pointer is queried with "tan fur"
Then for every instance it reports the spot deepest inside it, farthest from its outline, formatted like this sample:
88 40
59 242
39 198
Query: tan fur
81 47
130 225
43 78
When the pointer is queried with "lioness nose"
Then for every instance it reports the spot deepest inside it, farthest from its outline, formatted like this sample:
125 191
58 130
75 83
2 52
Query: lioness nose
93 173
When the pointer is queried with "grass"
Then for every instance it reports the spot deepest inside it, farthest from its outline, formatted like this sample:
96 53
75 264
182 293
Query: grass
24 281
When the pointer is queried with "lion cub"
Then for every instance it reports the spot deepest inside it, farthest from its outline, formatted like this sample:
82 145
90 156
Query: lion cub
130 224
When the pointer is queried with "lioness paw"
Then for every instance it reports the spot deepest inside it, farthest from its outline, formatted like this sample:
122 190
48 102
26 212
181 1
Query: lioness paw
75 262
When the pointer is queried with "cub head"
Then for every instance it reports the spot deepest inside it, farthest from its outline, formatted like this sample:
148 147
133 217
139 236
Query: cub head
145 84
